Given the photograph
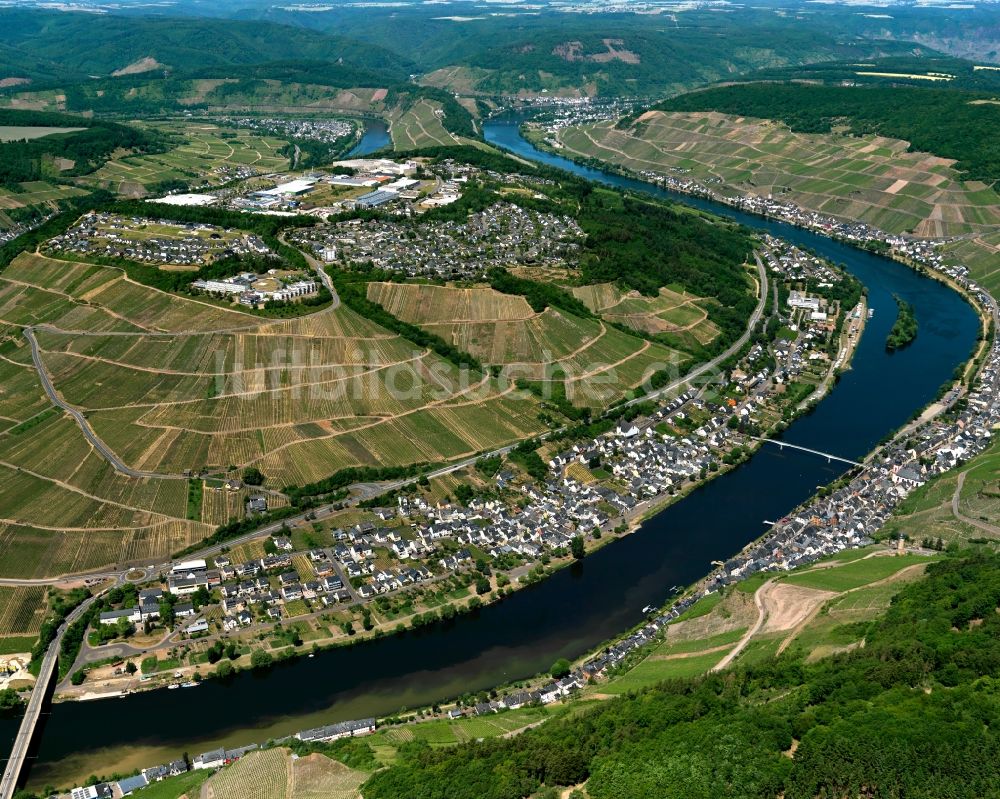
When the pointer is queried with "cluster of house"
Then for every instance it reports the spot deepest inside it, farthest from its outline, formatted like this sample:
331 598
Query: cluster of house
645 463
250 291
217 758
324 130
148 610
130 785
796 265
334 732
502 235
851 515
230 172
193 244
544 695
809 315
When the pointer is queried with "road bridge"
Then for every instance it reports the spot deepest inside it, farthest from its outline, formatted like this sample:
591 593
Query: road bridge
36 707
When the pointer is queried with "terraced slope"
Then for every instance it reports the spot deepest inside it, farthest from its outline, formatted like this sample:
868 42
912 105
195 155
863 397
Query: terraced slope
173 385
597 362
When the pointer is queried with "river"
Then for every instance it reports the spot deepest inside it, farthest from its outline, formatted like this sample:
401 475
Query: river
375 137
575 609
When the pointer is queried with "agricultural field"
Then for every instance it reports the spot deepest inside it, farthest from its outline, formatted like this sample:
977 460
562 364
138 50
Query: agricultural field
445 732
420 125
206 154
928 511
979 498
855 574
275 774
318 777
22 610
187 784
860 178
36 192
814 611
650 671
171 384
980 252
257 775
676 314
597 362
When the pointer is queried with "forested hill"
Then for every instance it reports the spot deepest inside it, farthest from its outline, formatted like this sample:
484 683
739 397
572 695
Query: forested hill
86 45
604 54
84 149
950 123
914 713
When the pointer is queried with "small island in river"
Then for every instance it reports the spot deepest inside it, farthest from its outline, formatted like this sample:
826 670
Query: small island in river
905 328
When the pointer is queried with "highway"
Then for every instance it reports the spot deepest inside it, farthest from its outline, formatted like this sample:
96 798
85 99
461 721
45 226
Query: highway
36 704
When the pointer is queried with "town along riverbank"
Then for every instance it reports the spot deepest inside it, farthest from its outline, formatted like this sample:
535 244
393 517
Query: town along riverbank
575 609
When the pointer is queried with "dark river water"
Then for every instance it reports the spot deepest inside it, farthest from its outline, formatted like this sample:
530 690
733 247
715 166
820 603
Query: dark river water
376 136
573 610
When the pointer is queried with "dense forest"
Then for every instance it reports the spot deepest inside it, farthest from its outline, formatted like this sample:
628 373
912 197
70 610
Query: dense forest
607 55
85 45
646 245
944 122
621 54
84 150
539 295
914 713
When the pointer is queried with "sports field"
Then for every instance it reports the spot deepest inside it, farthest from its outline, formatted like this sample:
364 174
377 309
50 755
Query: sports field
171 384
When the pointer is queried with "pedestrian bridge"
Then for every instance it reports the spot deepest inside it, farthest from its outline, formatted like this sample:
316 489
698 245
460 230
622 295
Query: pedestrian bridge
828 455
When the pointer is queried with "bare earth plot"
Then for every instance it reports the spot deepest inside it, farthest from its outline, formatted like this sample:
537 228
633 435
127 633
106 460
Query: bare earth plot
869 178
171 384
814 611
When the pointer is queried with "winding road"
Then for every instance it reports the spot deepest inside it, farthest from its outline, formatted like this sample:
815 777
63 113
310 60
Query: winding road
956 510
95 441
712 364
